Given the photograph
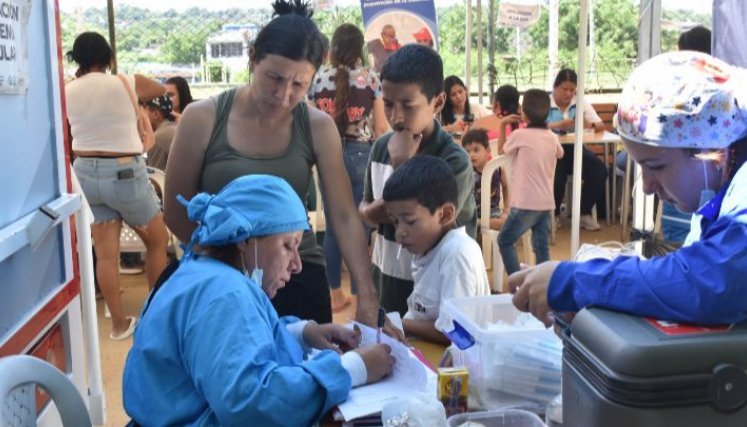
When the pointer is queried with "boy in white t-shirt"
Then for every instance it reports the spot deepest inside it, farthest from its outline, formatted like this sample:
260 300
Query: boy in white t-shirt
421 198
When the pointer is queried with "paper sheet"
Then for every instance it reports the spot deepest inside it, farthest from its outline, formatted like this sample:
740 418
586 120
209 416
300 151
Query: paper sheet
409 376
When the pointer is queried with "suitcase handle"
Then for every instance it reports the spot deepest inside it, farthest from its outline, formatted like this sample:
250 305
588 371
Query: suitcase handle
565 327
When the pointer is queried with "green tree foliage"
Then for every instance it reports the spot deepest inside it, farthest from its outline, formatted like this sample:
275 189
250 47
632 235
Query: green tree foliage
180 37
188 48
329 20
615 22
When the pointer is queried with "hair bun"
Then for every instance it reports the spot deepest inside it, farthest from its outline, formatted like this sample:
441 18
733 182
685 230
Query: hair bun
288 7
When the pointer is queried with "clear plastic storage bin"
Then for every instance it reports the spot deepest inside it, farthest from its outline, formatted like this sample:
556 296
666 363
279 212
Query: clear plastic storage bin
502 418
501 373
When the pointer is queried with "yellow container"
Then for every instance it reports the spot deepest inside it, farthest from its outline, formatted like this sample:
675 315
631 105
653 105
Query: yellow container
453 388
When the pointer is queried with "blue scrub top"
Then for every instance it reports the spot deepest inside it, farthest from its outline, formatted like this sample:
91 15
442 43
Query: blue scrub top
211 350
702 282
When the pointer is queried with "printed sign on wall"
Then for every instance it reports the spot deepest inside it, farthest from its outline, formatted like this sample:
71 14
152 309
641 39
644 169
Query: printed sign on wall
14 57
390 24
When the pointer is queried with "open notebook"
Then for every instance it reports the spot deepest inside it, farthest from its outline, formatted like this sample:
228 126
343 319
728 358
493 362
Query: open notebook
409 376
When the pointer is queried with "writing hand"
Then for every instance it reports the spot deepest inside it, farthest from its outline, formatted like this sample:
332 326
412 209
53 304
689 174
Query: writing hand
378 360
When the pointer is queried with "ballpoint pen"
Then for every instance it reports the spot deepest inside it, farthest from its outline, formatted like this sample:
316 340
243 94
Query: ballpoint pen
380 324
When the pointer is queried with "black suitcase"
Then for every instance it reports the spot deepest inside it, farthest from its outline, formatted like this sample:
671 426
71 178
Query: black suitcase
622 370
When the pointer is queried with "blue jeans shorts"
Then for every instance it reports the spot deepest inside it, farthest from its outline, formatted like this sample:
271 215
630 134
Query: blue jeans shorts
117 188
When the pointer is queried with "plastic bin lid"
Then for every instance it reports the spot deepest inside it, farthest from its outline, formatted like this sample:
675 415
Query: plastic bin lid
479 316
500 418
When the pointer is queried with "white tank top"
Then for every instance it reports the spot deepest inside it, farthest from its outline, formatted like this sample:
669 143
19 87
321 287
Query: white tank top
101 115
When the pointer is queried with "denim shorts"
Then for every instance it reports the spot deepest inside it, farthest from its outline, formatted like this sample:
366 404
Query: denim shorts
117 188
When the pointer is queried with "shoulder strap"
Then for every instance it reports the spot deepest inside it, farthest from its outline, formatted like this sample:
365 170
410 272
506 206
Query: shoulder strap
129 92
222 109
303 114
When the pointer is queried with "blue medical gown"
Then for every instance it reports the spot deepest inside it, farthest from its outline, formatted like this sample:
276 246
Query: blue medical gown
211 350
704 282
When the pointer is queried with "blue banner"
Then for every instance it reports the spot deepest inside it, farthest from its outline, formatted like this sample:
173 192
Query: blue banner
389 24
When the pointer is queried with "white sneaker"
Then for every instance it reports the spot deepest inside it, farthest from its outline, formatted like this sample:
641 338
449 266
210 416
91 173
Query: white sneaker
587 222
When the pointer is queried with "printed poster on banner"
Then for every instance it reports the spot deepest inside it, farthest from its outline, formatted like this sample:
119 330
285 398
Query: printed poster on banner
14 56
517 15
390 24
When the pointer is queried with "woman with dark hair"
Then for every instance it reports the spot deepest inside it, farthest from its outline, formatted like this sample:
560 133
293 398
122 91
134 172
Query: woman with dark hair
505 103
351 95
110 167
264 127
458 113
682 118
177 89
562 118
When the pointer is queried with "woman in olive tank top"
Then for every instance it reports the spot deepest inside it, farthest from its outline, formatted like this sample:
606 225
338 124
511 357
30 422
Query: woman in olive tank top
264 127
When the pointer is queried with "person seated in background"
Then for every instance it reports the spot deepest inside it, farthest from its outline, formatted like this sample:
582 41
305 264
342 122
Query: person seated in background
562 119
458 113
682 118
210 348
447 262
475 142
535 151
162 120
177 89
505 103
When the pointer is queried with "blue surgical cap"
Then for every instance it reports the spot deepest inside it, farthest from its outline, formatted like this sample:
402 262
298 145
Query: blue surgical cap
249 206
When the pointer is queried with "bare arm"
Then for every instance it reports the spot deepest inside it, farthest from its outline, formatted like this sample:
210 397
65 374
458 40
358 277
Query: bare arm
379 118
511 118
342 212
184 167
565 124
147 89
425 329
457 126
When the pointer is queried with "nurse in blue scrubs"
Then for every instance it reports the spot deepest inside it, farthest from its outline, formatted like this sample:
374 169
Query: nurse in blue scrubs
210 348
683 118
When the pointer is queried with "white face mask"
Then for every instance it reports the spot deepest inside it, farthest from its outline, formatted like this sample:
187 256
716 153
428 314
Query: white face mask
707 194
257 274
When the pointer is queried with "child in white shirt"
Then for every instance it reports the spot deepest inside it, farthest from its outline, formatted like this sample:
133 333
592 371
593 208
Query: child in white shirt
420 198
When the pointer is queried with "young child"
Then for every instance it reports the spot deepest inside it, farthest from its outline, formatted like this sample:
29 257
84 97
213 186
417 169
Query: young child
505 102
447 263
535 150
475 142
412 89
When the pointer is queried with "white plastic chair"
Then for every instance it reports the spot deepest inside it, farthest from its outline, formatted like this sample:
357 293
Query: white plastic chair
129 241
19 374
490 251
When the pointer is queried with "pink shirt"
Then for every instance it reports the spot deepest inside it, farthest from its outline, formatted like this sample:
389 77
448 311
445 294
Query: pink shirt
534 158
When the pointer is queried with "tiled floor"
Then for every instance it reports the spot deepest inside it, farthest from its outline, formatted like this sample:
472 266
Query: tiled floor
114 353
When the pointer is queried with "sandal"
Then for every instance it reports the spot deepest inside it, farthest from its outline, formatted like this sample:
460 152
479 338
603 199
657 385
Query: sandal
127 333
